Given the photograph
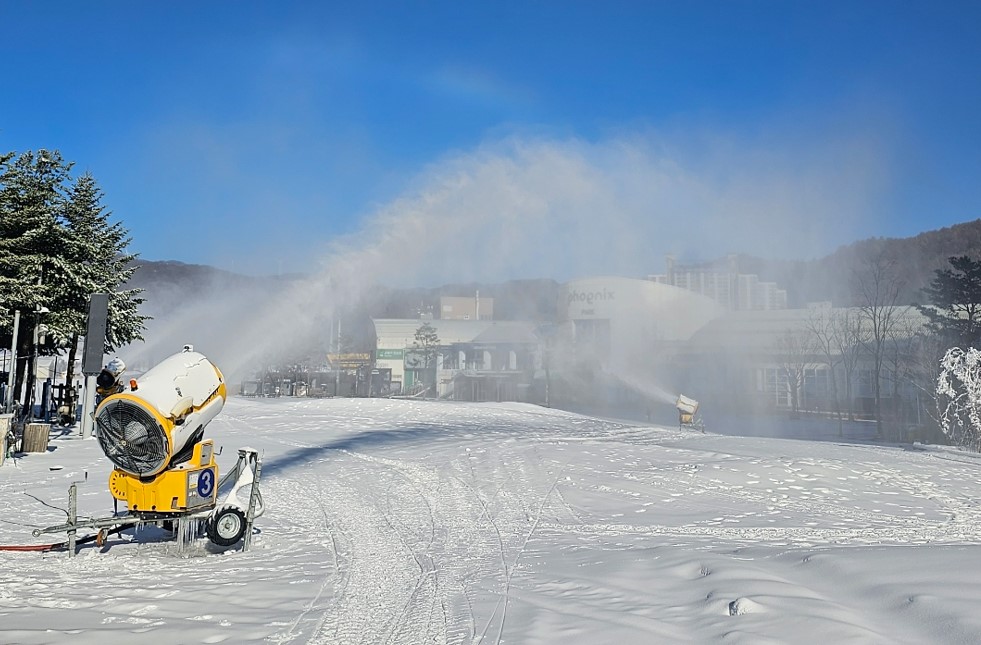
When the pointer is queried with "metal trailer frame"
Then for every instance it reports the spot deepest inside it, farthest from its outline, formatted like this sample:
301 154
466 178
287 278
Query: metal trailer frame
247 471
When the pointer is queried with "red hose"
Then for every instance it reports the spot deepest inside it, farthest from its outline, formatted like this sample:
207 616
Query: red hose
33 547
58 545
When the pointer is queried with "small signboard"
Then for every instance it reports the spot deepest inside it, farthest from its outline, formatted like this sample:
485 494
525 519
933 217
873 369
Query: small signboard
351 360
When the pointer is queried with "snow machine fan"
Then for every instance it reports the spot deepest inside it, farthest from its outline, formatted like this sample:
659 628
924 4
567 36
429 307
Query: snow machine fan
154 435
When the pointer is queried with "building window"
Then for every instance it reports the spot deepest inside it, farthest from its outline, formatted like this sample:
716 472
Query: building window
774 384
863 383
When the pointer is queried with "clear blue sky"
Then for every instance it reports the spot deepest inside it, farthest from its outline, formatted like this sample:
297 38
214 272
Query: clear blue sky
248 135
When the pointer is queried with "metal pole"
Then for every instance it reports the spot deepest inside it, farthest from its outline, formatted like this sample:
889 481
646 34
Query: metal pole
337 373
72 518
548 376
88 406
34 352
8 405
52 381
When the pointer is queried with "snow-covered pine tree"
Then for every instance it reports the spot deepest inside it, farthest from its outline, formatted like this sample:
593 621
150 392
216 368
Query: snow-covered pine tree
96 252
31 196
57 246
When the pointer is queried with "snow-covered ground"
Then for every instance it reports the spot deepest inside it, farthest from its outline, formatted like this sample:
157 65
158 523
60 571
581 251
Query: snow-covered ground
423 522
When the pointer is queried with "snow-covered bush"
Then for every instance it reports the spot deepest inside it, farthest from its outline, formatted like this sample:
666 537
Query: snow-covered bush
959 397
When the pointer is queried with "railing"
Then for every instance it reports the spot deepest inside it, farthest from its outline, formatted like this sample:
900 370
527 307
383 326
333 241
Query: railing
447 392
417 390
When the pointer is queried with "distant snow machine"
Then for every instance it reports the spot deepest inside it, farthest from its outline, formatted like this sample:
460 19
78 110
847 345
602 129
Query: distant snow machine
687 409
165 471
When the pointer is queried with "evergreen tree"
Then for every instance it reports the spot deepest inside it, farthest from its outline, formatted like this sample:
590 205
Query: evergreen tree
57 246
427 341
96 253
31 235
955 294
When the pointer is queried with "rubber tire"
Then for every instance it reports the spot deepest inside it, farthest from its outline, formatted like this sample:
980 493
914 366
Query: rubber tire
227 526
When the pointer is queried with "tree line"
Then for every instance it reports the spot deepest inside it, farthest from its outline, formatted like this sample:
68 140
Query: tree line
58 245
896 344
830 277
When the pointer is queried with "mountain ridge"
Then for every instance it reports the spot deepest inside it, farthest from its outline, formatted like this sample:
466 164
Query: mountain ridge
827 278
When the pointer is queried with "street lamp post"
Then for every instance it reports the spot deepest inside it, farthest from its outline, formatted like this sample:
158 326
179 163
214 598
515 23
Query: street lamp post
546 333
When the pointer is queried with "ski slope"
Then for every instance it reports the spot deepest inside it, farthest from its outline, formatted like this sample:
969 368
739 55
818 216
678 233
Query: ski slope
432 522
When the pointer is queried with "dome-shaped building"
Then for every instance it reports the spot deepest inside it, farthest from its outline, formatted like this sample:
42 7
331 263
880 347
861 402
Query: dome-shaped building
623 323
613 348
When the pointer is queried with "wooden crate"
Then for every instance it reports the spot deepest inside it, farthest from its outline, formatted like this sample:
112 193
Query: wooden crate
35 437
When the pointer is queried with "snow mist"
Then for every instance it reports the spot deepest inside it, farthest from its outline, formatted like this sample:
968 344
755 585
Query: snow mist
538 208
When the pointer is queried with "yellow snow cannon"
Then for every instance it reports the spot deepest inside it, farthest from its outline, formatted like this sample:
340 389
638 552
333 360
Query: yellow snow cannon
687 409
165 470
154 435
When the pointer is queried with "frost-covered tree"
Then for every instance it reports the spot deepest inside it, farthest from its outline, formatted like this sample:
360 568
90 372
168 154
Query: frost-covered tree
959 397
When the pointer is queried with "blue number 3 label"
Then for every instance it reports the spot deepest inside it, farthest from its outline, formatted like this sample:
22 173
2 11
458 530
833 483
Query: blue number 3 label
206 483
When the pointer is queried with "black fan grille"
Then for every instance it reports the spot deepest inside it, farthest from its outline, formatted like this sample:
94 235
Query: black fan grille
131 437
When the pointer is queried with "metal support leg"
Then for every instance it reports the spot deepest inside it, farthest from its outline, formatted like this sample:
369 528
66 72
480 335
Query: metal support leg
253 497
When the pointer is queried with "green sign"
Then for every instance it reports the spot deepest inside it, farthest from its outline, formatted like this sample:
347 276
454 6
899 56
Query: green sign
389 354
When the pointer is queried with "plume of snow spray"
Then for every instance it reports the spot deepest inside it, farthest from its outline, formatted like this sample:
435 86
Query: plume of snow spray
520 209
643 387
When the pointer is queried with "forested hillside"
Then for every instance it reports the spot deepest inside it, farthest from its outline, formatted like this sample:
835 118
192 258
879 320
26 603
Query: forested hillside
831 277
828 278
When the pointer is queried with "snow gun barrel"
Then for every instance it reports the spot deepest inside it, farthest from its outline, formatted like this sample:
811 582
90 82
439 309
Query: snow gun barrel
145 430
686 405
686 410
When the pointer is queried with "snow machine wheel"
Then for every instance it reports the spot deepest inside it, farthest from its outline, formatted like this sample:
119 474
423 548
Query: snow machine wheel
227 527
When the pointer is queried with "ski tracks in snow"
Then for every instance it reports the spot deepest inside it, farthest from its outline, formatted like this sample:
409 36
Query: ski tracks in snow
415 545
406 548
